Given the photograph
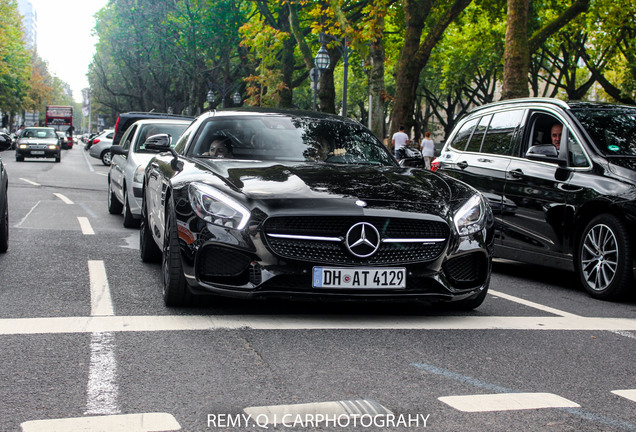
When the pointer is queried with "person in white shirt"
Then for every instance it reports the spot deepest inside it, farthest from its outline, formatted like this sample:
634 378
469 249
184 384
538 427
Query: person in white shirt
427 147
399 140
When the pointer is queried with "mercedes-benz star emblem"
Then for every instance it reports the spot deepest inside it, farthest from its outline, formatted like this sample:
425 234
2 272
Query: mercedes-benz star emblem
362 240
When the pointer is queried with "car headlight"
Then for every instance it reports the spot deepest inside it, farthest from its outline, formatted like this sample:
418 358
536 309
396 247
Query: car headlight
138 176
217 208
24 146
471 216
52 147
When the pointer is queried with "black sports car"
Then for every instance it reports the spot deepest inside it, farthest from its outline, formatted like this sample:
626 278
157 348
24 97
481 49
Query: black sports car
5 144
299 204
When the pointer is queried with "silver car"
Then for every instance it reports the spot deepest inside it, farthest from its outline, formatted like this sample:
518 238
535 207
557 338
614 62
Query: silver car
128 162
100 148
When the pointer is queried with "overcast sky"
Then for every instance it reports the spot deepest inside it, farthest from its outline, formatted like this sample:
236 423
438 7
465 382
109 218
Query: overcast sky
64 38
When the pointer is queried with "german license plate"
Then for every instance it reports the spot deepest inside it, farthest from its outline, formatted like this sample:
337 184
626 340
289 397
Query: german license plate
359 277
37 152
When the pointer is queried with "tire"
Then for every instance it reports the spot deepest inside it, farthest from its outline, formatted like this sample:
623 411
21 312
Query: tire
4 227
148 249
58 158
129 219
105 157
604 258
175 289
114 206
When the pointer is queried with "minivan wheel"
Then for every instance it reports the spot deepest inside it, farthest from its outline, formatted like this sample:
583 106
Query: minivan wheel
604 258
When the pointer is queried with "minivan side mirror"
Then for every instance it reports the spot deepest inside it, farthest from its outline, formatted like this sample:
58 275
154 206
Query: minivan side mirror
543 152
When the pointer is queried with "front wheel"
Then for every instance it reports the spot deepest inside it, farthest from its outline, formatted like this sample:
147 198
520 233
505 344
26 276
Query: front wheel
175 289
605 257
148 249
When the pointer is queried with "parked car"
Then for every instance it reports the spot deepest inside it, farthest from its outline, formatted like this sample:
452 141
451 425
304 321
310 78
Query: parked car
100 146
6 142
128 162
38 142
125 120
565 199
307 205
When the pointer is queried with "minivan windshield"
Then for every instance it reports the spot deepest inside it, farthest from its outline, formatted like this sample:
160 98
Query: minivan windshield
613 130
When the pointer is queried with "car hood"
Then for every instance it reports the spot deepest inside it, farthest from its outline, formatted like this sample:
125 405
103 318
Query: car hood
328 185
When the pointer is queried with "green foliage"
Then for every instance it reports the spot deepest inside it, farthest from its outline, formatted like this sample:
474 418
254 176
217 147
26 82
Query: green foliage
15 60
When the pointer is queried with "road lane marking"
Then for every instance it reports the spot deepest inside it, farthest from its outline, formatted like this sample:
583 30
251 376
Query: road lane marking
627 394
157 422
90 165
102 389
28 214
278 414
507 402
101 303
63 198
30 182
85 225
102 386
575 411
91 324
531 304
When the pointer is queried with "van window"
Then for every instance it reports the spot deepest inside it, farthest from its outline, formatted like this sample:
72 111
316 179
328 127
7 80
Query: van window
474 145
499 139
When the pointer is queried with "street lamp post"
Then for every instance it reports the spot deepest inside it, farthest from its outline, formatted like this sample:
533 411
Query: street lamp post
322 62
224 91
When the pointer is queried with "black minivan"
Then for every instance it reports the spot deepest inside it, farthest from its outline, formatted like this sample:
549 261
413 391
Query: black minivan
561 180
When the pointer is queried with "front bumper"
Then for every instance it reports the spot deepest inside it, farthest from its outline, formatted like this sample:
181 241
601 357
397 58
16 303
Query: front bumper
37 152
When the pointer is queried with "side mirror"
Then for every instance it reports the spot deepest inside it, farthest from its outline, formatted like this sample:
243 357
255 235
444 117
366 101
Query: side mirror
159 142
118 150
543 152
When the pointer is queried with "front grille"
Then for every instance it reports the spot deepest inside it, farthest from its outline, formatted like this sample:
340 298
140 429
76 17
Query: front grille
336 252
467 270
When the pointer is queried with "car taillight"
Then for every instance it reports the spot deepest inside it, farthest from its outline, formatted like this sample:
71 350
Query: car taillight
435 165
96 141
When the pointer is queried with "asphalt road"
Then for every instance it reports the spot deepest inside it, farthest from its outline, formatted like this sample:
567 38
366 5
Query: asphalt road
87 343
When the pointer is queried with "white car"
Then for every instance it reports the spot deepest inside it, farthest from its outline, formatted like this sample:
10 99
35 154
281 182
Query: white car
100 148
128 162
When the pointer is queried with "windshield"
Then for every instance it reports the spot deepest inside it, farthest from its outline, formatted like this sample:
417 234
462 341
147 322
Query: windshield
289 138
612 130
39 133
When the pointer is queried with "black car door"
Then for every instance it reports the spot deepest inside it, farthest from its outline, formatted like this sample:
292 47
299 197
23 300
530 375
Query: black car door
542 196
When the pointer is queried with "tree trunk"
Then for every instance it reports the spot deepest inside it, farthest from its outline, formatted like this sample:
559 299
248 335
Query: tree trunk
516 53
376 87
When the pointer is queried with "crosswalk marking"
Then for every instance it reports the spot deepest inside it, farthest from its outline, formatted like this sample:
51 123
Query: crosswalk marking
627 394
507 402
156 422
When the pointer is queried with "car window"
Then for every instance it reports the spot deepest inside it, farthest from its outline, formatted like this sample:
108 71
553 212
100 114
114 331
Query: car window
576 154
474 144
499 139
128 136
292 139
464 134
612 129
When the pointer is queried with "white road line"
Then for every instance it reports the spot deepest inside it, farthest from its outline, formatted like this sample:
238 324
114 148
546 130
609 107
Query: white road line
102 389
101 303
91 324
90 166
30 182
157 422
28 214
63 198
627 394
532 304
507 402
85 225
102 386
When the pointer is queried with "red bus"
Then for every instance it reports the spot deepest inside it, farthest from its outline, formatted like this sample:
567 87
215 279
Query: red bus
60 117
